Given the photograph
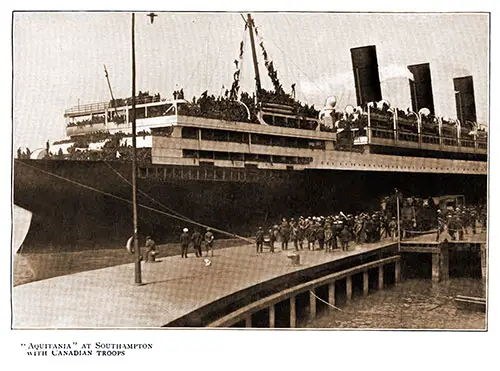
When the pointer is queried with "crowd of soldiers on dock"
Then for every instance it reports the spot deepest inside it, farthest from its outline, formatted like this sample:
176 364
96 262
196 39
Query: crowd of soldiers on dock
333 232
459 221
337 231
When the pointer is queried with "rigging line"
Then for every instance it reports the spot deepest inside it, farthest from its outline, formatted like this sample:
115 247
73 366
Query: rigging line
145 194
327 303
195 71
130 202
217 55
243 39
206 53
300 69
293 62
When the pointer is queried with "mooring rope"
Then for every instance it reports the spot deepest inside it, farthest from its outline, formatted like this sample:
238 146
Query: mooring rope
141 205
327 303
145 194
421 232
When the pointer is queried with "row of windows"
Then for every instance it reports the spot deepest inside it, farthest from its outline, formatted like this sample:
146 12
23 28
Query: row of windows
231 156
260 139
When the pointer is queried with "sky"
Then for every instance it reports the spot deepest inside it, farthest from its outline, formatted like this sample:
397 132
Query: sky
58 58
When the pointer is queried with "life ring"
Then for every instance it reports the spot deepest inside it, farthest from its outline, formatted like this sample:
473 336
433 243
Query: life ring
130 245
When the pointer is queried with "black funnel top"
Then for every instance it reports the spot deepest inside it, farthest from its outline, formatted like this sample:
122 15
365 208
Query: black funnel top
464 100
421 87
366 78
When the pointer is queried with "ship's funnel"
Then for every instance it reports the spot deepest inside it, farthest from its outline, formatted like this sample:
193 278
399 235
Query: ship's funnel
366 78
421 88
464 100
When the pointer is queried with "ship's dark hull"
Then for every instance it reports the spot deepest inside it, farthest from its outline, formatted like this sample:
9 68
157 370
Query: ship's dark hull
70 215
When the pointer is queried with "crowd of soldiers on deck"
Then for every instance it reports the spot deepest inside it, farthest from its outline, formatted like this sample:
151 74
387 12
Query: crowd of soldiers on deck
221 107
113 149
227 107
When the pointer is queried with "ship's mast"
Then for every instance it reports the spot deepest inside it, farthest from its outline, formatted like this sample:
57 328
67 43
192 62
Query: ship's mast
110 90
250 26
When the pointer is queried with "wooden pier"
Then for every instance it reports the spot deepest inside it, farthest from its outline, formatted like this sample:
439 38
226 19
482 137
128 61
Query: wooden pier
440 250
174 288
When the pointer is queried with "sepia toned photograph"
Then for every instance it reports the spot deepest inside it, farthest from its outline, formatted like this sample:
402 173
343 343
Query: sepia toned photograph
235 170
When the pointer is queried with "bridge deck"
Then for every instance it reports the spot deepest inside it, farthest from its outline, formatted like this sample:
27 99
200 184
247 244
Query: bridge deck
431 239
427 243
174 287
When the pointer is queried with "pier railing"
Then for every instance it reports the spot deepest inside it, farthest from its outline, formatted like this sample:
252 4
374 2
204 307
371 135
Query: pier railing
270 302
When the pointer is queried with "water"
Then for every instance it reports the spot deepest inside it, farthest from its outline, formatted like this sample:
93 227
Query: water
412 304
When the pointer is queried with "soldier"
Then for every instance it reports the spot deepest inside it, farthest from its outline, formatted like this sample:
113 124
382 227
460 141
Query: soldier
259 239
393 228
150 249
473 221
328 236
358 228
284 234
451 226
336 228
301 233
408 218
320 235
273 236
441 222
369 229
197 240
345 235
459 224
294 229
209 241
377 227
466 221
311 236
184 239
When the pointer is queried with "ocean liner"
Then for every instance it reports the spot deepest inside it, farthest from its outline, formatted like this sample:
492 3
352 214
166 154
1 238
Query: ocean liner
241 160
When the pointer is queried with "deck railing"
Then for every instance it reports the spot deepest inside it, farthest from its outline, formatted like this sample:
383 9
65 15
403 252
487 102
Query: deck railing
469 143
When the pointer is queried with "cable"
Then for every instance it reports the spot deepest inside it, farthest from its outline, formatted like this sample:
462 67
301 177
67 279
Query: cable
141 205
327 303
145 194
300 69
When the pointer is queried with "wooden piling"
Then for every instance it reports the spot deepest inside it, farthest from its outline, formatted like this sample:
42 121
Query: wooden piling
293 313
365 283
272 316
348 288
444 263
484 265
436 268
381 277
312 304
248 320
331 293
397 271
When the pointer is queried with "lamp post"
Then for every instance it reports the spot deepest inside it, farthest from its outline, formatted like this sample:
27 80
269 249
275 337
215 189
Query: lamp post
137 252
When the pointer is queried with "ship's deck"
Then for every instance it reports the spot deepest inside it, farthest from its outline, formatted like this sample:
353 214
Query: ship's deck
173 288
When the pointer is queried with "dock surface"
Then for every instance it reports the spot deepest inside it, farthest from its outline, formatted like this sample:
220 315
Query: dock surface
173 287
